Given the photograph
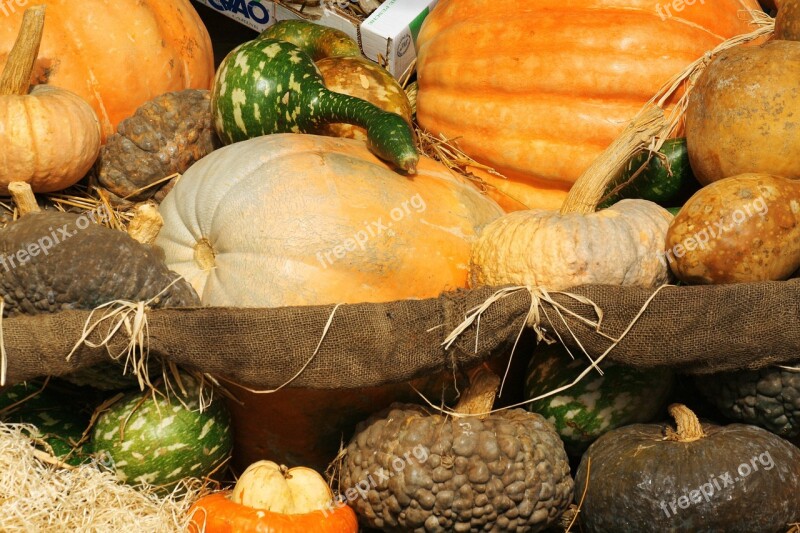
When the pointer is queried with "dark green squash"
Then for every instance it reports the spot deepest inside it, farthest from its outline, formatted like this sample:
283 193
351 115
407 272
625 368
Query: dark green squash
768 397
60 413
701 478
664 178
268 86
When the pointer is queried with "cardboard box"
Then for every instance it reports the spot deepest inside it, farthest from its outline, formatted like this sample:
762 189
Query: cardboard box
387 36
255 14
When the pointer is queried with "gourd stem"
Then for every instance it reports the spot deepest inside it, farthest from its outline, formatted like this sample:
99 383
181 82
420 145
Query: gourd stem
23 197
146 223
16 77
479 397
689 427
389 135
589 189
316 40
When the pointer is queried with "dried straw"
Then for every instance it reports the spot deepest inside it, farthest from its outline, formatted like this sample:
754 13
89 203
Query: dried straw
38 495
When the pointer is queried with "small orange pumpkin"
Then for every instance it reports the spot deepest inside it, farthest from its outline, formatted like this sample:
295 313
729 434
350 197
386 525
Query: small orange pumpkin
269 498
50 137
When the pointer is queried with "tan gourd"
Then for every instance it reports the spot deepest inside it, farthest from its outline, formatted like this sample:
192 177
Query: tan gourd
740 229
621 245
744 113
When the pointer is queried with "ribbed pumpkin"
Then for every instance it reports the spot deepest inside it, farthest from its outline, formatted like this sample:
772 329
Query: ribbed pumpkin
292 219
50 136
537 90
117 55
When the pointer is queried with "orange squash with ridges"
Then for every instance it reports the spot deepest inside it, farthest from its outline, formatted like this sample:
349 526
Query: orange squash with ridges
117 55
538 90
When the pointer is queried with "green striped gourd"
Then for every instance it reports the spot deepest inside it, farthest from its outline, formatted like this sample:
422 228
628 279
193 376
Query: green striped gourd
268 86
159 439
596 404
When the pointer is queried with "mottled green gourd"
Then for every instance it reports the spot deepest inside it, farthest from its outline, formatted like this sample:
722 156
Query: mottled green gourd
60 416
316 40
150 437
597 403
267 86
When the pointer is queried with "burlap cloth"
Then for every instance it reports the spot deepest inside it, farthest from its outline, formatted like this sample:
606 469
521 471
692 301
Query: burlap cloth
696 330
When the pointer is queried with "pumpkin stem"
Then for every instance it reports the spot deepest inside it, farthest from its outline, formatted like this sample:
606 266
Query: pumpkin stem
146 223
16 77
689 427
23 197
479 397
589 189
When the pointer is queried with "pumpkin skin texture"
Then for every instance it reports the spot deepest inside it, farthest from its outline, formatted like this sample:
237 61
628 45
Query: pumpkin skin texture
540 104
635 474
145 48
50 138
742 114
787 23
505 472
216 513
284 206
363 79
620 245
736 230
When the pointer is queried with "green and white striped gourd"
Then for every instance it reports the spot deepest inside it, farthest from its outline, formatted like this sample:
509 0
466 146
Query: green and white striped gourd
596 404
269 86
156 439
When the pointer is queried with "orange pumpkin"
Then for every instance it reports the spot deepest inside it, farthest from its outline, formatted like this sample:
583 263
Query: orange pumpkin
116 55
216 513
537 90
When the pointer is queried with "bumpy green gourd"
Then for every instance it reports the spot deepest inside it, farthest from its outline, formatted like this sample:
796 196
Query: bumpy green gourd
316 40
267 86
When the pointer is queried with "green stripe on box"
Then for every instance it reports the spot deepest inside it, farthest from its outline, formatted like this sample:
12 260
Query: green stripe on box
416 24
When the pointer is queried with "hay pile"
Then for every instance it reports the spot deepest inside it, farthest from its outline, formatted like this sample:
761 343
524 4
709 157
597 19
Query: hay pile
36 495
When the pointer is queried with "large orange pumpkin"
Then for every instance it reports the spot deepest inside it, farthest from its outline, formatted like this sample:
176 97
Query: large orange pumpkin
284 220
116 55
538 89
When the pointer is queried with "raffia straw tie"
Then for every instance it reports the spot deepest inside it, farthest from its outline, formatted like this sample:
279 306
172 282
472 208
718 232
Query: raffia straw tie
130 317
533 320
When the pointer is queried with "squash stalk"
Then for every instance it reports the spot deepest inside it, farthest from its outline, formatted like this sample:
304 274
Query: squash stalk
479 397
689 427
16 77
